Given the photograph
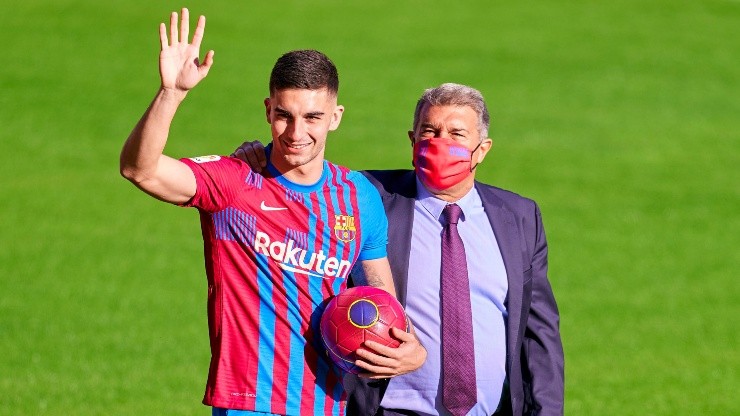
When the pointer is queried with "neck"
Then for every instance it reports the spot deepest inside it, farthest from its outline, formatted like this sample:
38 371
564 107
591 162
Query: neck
306 174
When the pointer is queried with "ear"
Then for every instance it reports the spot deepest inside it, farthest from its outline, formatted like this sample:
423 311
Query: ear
483 149
411 137
336 117
268 107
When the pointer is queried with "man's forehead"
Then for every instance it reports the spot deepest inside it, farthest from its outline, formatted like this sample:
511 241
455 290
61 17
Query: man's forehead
303 100
444 114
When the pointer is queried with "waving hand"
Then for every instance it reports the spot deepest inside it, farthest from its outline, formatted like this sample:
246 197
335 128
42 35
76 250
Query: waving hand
142 160
179 65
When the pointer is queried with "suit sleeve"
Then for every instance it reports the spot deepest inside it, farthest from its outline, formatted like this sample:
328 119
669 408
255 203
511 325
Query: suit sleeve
543 349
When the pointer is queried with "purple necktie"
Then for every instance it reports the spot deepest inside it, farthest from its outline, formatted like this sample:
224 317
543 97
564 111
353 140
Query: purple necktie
459 393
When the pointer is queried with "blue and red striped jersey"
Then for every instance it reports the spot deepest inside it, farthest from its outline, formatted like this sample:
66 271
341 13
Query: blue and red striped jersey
274 252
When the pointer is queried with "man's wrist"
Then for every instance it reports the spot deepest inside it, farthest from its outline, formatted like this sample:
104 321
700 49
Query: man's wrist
172 94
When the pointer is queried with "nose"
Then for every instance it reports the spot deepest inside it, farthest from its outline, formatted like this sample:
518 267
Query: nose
296 129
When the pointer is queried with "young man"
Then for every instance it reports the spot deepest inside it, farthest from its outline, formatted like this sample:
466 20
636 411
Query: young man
276 245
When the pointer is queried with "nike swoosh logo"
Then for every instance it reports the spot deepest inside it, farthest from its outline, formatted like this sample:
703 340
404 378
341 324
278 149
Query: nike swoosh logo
294 270
264 207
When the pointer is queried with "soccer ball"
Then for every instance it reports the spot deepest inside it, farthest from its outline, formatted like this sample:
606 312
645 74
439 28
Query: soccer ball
357 315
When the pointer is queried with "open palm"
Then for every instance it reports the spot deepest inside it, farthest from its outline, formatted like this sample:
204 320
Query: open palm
179 64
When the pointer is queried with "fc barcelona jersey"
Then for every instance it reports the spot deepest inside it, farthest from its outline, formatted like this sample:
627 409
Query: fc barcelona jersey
274 252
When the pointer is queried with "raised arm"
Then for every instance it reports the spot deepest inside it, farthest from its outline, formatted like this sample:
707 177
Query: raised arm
180 69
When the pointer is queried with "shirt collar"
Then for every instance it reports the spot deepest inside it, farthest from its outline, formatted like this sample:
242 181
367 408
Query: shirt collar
434 205
292 185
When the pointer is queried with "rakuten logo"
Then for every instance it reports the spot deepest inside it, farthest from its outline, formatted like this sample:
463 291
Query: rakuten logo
294 259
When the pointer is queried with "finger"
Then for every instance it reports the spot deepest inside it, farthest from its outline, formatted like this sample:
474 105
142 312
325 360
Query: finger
402 335
184 24
199 31
239 149
253 161
163 36
376 359
207 63
260 152
374 376
379 376
240 153
373 367
375 371
173 28
376 349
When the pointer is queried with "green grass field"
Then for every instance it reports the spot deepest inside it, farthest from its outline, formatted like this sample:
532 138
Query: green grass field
622 119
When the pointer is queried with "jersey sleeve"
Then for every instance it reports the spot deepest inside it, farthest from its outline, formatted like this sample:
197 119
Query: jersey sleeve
218 181
373 220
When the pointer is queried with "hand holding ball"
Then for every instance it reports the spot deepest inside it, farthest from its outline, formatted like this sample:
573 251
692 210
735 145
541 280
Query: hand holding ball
357 315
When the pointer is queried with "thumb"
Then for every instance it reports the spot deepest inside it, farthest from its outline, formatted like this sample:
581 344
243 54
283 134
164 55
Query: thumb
207 63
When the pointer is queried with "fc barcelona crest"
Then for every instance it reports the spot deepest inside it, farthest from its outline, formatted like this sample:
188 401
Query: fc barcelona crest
344 227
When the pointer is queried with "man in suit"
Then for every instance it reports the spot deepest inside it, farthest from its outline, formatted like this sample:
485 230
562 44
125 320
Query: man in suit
516 346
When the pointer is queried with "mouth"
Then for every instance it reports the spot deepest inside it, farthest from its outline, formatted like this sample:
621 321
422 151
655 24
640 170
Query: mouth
296 146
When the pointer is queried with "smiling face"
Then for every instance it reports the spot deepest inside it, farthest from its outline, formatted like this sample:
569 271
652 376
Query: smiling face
300 120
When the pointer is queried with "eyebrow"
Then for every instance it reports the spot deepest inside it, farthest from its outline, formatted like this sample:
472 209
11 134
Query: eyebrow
285 112
455 129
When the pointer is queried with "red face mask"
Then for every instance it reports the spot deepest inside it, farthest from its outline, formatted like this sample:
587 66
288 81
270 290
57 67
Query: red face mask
442 163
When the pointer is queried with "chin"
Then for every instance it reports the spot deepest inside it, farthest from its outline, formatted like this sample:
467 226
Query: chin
296 160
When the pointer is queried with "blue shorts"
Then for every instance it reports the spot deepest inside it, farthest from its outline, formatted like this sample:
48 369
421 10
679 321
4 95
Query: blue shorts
217 411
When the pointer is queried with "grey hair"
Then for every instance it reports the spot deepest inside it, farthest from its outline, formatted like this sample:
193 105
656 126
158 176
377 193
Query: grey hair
457 95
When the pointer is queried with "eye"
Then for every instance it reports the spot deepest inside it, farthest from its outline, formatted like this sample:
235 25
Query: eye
313 117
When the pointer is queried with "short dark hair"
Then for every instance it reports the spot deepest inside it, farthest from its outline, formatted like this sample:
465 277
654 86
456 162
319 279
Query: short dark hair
304 69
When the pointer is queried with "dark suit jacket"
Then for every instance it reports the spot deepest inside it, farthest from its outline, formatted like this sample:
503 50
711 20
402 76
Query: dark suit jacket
534 353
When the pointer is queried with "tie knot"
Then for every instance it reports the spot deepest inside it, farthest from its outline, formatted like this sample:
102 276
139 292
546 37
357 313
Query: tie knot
452 213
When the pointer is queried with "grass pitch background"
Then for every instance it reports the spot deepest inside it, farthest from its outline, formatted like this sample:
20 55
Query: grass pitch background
620 119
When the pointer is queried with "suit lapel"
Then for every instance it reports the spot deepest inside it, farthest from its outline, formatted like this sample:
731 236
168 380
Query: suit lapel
507 236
